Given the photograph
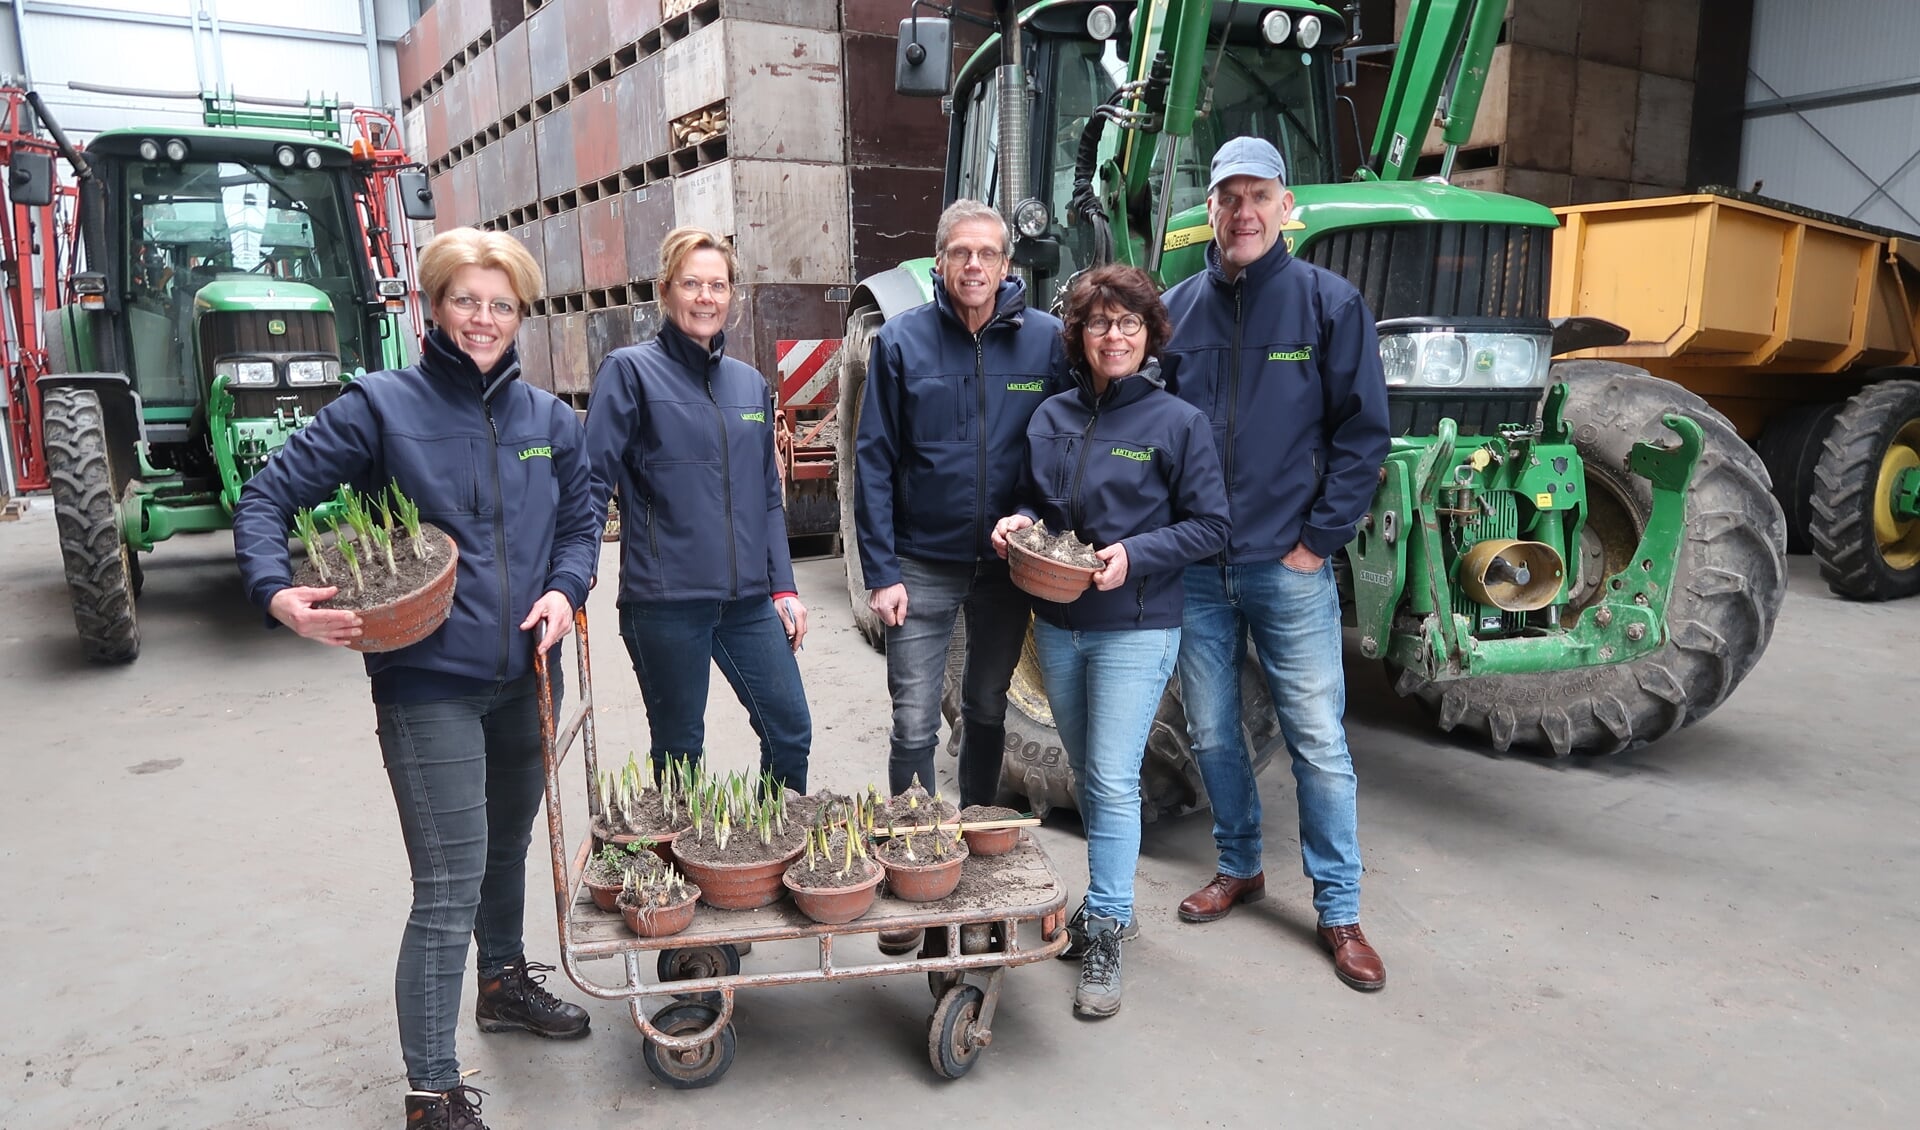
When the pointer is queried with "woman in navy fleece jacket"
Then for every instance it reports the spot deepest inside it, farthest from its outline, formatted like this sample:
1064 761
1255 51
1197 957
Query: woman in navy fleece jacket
1133 469
685 434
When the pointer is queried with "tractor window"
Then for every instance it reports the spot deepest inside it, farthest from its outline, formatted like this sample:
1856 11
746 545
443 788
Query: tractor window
1260 91
1085 73
196 223
981 146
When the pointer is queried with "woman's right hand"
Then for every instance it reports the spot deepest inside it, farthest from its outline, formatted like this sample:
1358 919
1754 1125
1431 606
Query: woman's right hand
1005 527
294 607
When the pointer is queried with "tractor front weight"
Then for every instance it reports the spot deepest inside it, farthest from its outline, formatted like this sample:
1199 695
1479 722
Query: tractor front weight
1472 561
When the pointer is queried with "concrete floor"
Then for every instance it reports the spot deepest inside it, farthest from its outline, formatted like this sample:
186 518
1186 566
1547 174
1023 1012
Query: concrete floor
204 888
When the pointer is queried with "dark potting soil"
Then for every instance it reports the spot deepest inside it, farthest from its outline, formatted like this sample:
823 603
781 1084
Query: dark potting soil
806 810
650 821
898 813
1065 547
894 851
377 585
827 877
743 846
980 813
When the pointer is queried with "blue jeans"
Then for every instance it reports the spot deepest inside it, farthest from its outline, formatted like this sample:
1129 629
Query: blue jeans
1294 619
670 642
467 781
997 616
1104 688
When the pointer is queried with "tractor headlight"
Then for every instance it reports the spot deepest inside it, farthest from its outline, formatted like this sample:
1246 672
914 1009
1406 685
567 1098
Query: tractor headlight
1309 32
1102 23
313 372
248 374
1274 27
1030 217
176 150
1418 353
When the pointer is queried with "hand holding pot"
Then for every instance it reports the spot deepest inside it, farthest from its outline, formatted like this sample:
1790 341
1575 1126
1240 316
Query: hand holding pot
1005 528
1115 573
294 607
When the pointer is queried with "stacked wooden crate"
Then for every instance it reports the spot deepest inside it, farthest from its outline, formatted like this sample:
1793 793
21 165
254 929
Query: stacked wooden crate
603 123
1586 101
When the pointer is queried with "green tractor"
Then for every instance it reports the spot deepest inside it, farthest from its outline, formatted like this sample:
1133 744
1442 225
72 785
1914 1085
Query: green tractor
1566 557
228 279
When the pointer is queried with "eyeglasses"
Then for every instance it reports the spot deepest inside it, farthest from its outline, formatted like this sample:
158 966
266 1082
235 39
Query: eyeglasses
692 288
1129 324
469 305
988 257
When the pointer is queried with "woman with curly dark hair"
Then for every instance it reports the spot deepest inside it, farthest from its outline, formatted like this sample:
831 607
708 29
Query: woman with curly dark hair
1133 470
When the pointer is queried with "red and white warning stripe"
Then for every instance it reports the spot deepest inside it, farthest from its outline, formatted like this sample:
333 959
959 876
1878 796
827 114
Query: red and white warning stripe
805 377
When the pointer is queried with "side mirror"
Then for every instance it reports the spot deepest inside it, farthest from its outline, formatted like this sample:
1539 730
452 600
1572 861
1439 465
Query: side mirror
923 63
30 179
416 195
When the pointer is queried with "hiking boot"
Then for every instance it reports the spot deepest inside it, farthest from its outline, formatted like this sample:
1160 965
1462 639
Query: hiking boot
1098 996
458 1109
514 999
1077 934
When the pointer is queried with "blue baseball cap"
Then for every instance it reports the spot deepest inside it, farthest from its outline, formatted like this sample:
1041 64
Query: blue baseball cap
1247 157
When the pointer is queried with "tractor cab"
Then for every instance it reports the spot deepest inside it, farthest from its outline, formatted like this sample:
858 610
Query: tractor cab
1274 78
241 279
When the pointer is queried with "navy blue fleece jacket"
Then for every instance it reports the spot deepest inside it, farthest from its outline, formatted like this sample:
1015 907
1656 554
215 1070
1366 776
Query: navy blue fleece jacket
498 464
1285 362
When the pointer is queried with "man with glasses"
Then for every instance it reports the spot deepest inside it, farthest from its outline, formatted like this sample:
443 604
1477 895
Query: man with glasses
950 387
1283 356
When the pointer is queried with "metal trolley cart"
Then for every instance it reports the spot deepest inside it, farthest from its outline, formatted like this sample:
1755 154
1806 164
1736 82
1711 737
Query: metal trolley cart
971 938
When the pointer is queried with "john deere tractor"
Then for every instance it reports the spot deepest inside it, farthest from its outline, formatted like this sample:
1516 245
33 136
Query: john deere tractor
230 277
1566 557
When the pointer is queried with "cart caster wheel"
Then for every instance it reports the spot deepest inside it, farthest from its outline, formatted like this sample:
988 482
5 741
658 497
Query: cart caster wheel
934 944
701 1067
951 1031
698 961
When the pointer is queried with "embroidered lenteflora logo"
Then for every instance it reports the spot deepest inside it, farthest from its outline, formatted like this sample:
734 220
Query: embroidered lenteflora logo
1304 353
1130 453
754 417
1026 386
536 453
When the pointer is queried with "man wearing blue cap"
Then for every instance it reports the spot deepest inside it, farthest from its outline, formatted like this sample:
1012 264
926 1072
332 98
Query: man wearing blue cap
1284 359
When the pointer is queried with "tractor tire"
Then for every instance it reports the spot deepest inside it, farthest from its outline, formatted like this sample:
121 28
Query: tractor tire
1791 446
1865 552
853 389
100 568
1727 587
1034 767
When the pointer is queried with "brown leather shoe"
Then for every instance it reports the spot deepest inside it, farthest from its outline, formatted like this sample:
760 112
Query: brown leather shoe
1354 961
1212 901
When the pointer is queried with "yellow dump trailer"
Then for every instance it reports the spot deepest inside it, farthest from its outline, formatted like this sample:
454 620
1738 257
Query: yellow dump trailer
1801 329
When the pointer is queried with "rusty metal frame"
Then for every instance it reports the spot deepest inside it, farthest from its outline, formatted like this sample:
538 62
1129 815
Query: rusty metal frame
571 901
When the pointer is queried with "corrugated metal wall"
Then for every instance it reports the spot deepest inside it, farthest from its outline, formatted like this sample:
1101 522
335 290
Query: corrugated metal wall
1833 108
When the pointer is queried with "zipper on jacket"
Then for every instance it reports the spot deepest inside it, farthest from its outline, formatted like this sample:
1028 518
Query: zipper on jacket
1140 600
980 466
653 540
1080 473
500 541
1233 387
726 488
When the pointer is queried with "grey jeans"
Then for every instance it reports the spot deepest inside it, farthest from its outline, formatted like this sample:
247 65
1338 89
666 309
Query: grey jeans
997 614
467 781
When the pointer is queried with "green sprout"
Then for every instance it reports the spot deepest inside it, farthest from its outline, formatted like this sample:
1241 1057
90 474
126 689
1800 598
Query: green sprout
384 543
409 512
308 532
351 553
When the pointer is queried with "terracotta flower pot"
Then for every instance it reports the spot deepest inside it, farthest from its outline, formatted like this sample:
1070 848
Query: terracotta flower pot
407 620
605 895
991 841
662 845
739 886
661 921
1045 578
927 881
834 905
